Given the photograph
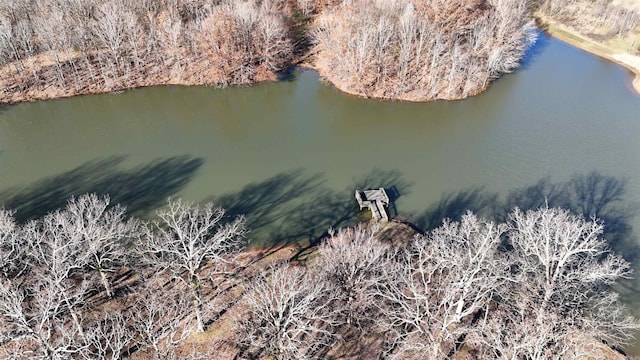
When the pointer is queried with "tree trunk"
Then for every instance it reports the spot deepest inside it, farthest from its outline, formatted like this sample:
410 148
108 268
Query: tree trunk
72 312
105 283
198 306
197 302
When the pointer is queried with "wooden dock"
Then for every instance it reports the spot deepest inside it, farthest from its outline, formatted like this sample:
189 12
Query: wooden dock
376 200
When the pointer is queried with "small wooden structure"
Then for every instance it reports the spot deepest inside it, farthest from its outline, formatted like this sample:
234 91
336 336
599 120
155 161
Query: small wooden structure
376 200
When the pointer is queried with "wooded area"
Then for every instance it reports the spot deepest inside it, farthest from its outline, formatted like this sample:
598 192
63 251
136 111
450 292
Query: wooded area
87 282
57 48
422 49
396 49
615 23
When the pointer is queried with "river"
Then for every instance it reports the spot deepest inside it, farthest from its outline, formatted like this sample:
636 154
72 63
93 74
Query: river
289 154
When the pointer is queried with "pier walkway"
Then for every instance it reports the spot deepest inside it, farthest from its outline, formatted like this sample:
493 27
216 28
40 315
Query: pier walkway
376 200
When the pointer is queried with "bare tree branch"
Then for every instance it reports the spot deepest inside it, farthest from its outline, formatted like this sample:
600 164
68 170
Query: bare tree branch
188 238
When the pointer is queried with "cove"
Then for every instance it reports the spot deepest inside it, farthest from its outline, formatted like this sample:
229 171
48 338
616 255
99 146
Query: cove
289 154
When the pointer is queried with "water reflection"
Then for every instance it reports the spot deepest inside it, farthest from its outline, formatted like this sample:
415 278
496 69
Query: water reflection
536 49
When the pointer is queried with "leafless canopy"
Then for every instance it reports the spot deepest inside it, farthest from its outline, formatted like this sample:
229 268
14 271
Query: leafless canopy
58 48
421 49
289 314
537 286
189 238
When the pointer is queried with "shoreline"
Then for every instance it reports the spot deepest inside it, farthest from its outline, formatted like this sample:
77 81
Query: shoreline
551 27
573 38
54 92
342 87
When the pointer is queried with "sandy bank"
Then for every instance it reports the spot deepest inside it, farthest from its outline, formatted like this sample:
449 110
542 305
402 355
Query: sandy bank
572 37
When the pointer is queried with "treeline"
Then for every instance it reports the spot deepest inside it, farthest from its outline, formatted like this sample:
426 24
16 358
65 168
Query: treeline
535 287
600 20
421 49
397 49
57 48
87 282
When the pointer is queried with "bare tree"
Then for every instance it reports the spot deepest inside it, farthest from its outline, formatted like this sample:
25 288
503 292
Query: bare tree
26 41
55 263
567 269
590 19
509 333
49 27
159 321
558 294
421 50
353 263
8 42
109 33
246 40
306 6
35 317
289 313
605 318
5 45
274 40
441 281
538 286
564 255
102 46
109 337
39 293
194 244
100 234
12 250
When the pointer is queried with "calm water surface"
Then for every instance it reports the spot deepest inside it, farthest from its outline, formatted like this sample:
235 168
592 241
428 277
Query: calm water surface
289 154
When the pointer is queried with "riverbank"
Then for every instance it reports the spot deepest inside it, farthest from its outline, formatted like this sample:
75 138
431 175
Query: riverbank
18 86
195 72
131 45
347 87
418 53
208 48
420 50
572 37
226 335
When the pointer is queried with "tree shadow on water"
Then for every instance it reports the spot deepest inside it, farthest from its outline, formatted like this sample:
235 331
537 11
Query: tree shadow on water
333 209
288 75
294 207
140 189
594 196
266 202
453 205
4 107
